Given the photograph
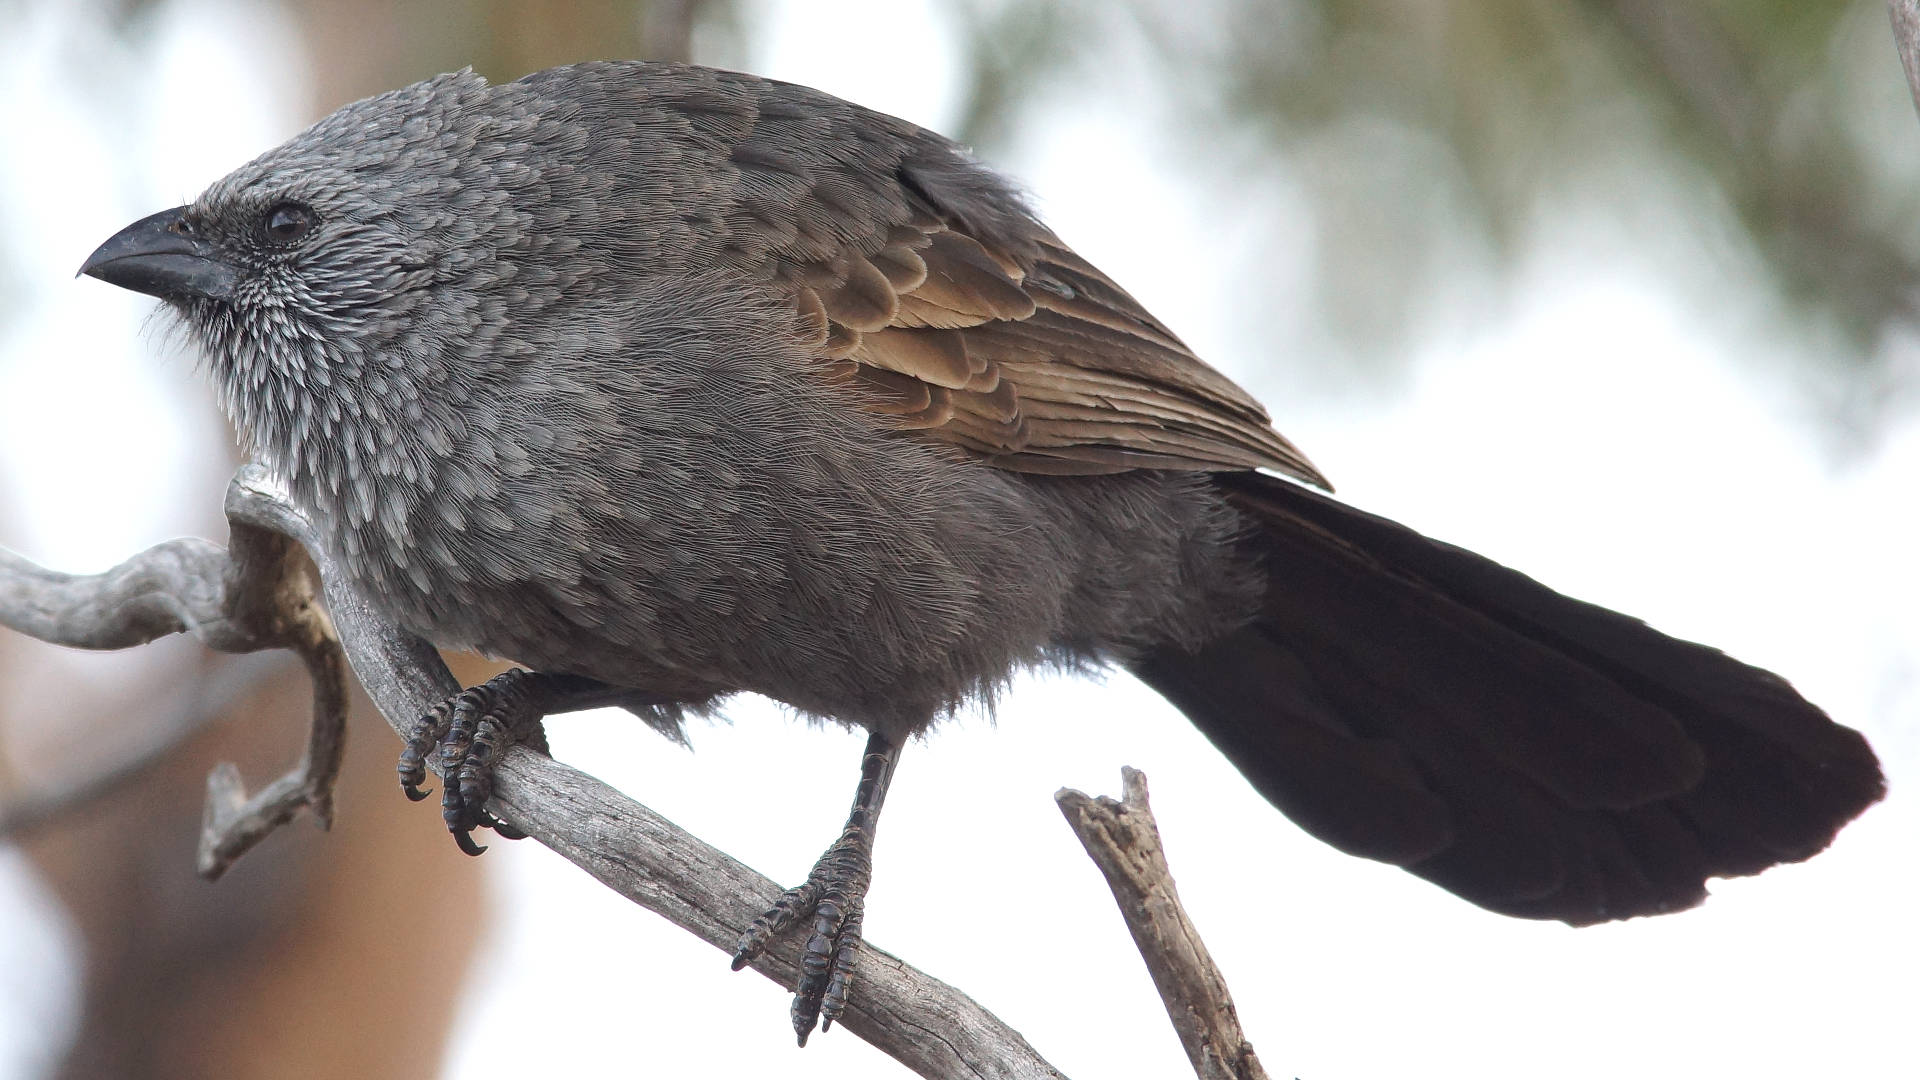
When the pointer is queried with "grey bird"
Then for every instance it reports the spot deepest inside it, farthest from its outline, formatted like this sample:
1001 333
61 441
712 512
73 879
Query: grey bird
676 383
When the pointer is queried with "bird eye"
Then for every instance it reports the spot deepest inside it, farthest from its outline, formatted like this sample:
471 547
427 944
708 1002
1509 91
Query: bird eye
287 223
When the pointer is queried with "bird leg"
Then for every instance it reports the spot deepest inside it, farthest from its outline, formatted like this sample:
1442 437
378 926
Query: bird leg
472 730
835 895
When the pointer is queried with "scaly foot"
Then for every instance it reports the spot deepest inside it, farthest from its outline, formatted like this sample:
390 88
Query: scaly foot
835 895
471 732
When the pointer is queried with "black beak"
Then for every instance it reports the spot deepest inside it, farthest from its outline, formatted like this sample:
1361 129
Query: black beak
159 256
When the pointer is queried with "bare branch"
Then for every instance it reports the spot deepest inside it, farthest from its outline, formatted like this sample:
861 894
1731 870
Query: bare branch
1124 841
1906 36
256 595
175 587
250 598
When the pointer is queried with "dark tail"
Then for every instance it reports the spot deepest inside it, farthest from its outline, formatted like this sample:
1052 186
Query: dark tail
1408 701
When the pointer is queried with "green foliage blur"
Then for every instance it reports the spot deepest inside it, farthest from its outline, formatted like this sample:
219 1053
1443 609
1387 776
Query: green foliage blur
1763 152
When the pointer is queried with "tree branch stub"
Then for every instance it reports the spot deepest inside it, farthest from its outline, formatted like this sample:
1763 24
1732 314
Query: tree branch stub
1124 841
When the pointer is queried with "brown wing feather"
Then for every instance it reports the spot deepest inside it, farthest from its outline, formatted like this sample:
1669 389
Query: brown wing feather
963 317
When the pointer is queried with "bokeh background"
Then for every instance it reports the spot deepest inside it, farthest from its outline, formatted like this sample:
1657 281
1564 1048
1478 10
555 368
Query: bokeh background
1625 293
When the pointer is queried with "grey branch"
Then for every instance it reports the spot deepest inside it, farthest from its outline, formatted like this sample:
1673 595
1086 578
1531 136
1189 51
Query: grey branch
259 594
1906 36
1124 841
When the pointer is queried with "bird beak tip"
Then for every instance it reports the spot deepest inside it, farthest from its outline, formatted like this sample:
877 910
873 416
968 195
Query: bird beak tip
150 256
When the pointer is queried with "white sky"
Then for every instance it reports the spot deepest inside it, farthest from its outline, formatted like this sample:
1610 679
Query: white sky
1599 436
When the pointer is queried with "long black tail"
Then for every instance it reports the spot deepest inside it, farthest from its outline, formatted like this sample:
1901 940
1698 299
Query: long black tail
1408 701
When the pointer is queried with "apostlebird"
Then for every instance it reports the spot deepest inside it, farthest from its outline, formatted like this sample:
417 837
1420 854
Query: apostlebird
680 383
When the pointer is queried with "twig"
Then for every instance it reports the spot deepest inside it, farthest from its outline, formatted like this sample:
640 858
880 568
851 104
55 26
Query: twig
1124 842
1906 36
926 1025
53 797
256 595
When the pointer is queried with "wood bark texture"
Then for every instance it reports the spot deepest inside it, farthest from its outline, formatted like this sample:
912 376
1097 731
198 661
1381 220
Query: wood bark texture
1124 841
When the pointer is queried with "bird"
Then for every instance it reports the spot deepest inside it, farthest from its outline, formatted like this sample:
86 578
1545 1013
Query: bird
671 383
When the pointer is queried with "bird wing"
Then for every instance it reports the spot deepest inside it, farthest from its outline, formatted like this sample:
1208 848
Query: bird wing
920 277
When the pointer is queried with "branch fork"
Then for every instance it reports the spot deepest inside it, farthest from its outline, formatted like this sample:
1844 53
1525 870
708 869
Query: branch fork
257 594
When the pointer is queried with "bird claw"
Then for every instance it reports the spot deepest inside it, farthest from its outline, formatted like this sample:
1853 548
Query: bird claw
829 963
469 733
834 894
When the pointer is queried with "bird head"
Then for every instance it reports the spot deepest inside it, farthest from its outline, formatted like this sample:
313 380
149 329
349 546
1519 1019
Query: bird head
336 234
347 287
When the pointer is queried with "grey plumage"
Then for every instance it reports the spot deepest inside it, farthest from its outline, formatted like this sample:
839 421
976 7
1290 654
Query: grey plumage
696 383
539 422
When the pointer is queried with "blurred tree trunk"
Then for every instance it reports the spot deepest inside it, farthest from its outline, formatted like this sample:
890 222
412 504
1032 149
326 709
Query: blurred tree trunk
367 46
